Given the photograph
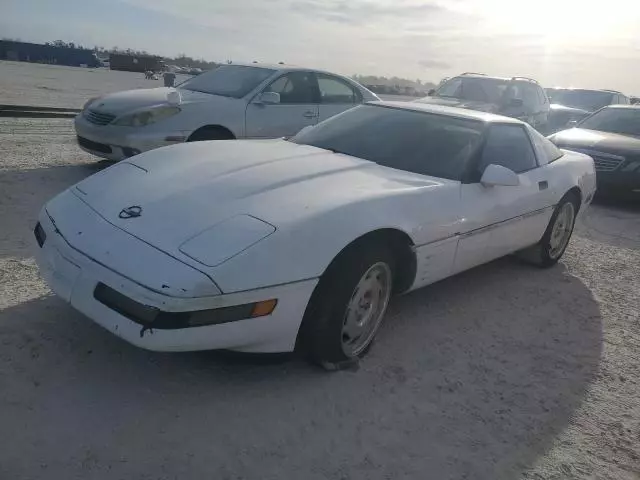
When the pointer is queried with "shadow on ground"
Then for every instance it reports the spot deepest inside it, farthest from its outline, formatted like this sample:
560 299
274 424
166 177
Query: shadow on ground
24 192
470 378
612 221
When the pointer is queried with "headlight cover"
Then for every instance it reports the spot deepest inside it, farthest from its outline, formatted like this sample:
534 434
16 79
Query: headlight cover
89 102
226 239
146 117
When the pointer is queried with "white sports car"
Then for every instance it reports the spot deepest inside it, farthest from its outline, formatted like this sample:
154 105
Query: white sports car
276 245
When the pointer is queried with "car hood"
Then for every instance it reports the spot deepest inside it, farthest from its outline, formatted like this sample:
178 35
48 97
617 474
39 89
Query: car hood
130 100
595 140
557 108
460 103
183 190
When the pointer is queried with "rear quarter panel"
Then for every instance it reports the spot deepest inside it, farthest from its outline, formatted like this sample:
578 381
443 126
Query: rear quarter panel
573 170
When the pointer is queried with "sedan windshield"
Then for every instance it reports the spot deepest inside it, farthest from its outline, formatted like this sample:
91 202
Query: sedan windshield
489 90
625 121
590 100
419 142
228 80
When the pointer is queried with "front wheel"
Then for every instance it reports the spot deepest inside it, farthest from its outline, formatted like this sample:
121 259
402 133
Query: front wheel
347 308
556 237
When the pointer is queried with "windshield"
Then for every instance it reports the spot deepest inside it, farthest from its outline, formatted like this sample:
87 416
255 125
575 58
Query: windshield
228 80
590 100
424 143
625 121
489 90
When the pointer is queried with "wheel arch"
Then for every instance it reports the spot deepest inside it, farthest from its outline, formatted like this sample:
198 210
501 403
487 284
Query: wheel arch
574 191
398 242
214 127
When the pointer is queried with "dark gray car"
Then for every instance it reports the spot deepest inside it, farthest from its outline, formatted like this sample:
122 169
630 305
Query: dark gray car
611 136
573 104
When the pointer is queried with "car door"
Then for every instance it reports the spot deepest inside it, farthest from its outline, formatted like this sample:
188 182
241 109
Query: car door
297 108
336 95
498 220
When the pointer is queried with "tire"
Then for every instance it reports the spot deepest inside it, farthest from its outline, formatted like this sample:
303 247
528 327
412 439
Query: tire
210 133
555 240
329 332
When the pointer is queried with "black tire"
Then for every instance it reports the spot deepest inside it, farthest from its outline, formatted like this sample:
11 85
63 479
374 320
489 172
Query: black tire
541 254
210 133
320 338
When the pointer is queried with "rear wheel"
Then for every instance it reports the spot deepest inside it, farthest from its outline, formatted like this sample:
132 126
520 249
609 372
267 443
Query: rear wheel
556 237
347 307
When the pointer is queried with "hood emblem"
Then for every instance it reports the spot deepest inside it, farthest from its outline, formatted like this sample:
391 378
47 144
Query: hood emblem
130 212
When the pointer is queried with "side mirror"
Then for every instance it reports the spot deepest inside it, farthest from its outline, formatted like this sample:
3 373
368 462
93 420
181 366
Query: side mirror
431 92
268 98
515 102
497 175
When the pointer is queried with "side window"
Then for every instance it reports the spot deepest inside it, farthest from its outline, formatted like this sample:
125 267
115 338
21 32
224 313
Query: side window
530 97
295 87
509 146
541 96
622 99
336 90
450 88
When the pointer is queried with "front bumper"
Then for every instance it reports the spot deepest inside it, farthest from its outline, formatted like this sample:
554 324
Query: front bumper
74 277
117 143
619 181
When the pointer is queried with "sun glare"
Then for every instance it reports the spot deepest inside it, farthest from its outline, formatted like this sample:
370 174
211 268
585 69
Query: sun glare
559 23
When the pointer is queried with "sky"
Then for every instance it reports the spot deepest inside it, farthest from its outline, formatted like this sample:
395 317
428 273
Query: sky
558 42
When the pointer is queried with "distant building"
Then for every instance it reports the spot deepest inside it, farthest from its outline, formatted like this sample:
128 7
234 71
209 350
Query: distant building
135 63
57 55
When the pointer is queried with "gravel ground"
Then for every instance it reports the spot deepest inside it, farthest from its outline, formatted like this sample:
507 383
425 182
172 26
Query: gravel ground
503 372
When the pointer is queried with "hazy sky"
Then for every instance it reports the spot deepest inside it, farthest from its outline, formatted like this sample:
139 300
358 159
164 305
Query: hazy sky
558 42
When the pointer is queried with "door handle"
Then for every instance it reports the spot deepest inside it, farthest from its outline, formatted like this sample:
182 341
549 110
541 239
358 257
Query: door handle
543 185
309 114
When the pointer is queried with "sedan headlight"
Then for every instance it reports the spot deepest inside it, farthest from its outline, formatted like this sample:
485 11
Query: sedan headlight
89 102
146 117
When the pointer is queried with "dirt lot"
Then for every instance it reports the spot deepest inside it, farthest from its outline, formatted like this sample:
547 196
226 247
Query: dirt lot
503 372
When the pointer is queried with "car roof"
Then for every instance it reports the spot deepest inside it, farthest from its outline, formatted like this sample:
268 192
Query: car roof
284 67
584 89
449 111
623 106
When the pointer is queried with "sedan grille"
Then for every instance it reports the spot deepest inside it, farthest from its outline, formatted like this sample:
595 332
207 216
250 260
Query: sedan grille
98 118
604 162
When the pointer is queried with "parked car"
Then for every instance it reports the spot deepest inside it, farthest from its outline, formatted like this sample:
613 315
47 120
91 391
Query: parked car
229 102
276 245
572 104
517 97
611 136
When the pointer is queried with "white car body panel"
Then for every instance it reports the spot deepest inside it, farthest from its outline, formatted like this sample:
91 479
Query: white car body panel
307 205
244 117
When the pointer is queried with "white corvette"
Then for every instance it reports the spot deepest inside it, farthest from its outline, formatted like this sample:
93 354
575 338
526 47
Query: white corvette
275 245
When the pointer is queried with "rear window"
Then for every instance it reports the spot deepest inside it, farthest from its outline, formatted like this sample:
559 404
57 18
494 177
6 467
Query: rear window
424 143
